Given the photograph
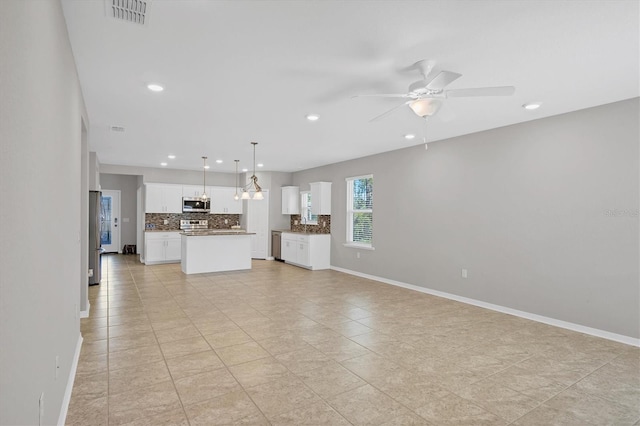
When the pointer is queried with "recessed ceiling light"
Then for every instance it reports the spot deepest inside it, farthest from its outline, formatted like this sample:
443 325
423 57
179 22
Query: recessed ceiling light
155 87
207 166
163 164
313 117
260 165
532 105
171 157
245 170
409 136
219 161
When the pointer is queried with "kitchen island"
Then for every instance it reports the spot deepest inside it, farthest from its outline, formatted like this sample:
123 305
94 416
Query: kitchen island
215 251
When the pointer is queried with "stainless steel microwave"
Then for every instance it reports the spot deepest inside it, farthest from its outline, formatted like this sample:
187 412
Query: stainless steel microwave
195 205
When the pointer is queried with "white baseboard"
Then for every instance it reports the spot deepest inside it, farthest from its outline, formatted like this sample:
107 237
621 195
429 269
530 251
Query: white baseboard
72 377
527 315
85 314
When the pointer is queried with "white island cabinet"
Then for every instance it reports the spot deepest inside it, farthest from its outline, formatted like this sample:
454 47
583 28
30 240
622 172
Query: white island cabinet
162 247
311 251
216 252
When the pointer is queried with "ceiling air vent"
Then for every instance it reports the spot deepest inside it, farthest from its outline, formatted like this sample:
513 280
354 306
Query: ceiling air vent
135 11
117 129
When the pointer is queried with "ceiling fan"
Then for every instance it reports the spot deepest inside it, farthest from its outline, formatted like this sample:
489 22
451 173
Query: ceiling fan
425 96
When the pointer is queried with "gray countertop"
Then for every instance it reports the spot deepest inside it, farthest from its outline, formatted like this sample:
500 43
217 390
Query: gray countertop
216 232
288 231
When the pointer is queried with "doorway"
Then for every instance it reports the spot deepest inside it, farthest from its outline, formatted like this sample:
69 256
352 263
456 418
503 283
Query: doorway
257 217
110 221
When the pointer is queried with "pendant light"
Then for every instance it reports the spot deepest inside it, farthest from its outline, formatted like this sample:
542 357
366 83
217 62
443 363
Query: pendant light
253 184
204 180
236 197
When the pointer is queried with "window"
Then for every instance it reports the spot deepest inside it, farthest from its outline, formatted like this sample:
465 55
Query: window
305 209
360 211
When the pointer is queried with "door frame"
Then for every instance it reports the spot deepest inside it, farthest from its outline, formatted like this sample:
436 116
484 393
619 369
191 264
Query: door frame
115 214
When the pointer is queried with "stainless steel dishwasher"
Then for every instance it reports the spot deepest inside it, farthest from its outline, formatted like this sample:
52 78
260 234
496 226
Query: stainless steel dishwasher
276 236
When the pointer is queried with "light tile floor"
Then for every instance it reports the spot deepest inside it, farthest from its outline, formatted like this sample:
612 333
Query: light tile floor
282 345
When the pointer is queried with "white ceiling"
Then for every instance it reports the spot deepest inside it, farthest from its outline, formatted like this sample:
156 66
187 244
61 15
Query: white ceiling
240 71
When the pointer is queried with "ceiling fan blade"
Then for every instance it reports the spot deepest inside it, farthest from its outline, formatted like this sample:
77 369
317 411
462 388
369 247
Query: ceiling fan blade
443 79
481 91
423 66
384 114
383 95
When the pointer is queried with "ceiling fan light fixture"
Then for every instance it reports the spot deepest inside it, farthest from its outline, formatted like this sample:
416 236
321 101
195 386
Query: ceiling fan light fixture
424 107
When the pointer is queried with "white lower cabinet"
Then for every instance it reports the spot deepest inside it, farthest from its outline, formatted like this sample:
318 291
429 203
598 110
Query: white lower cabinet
308 251
162 247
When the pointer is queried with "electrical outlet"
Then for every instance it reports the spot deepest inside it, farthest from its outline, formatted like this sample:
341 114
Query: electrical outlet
90 273
226 221
324 223
57 367
295 222
464 273
358 255
166 222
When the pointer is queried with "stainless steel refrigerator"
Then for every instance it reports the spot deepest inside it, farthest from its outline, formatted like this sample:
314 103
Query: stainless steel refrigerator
95 246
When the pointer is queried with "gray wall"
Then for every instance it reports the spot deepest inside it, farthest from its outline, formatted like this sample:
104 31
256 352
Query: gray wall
40 128
94 172
127 185
524 208
84 220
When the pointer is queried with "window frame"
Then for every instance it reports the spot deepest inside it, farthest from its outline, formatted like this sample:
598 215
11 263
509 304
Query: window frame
350 212
304 208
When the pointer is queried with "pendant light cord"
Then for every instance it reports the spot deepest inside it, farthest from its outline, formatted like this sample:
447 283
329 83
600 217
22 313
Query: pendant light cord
204 178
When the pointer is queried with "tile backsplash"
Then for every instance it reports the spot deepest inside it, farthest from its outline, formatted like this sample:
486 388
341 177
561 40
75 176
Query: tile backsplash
323 226
155 221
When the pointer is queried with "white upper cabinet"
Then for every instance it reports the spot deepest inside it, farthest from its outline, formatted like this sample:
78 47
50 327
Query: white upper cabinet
290 200
163 198
320 198
192 190
222 201
167 198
